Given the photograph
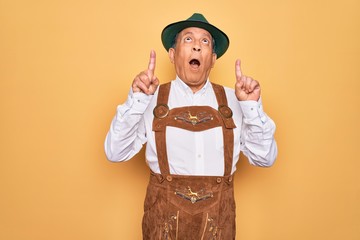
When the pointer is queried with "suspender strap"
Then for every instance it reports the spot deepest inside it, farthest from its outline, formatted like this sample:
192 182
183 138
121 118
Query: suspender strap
220 94
163 95
160 136
228 133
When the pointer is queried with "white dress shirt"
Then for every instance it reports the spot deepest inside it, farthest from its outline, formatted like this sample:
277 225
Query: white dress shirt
191 153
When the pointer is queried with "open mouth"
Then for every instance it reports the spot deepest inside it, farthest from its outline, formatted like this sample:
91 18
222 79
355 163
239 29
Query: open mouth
194 63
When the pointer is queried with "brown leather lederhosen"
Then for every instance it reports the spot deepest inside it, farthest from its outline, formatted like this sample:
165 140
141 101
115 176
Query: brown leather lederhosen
190 207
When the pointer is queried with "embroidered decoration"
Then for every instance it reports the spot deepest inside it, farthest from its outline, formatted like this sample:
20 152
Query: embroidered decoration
194 119
194 197
168 227
213 229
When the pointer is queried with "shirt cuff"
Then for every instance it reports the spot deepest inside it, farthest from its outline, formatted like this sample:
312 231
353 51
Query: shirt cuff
136 103
141 101
253 109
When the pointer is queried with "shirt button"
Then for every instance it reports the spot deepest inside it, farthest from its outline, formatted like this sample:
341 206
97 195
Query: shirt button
218 180
199 156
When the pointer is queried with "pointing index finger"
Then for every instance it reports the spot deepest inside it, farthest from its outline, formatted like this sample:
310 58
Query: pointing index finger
152 62
238 72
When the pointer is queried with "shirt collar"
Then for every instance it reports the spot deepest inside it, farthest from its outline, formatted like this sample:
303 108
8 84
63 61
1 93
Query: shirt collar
185 88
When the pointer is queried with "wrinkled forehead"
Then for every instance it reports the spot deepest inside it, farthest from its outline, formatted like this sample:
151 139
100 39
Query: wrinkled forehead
195 30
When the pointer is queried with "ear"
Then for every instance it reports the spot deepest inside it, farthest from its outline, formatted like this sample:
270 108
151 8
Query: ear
171 54
213 59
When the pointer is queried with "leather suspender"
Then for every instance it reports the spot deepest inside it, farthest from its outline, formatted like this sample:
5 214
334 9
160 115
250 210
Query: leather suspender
193 118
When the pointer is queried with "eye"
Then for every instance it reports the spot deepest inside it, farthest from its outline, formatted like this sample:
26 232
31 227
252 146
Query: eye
206 41
188 39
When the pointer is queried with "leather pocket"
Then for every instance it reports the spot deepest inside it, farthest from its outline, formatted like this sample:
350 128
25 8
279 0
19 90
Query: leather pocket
195 196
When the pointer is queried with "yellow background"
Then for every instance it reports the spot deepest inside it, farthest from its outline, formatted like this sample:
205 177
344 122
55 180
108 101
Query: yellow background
65 65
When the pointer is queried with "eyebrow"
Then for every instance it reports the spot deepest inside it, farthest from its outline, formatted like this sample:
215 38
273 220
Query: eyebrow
205 34
188 33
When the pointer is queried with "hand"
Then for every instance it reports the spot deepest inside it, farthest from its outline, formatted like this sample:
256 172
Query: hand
146 81
246 88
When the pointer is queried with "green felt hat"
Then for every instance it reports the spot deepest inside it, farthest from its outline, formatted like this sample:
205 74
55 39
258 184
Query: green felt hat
196 20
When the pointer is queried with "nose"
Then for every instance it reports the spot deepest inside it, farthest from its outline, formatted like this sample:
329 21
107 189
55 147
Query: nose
196 49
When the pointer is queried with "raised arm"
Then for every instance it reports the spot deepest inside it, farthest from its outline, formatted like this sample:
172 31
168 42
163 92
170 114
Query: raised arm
257 132
126 135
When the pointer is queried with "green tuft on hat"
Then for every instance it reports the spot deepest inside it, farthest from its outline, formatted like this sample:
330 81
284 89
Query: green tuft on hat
196 20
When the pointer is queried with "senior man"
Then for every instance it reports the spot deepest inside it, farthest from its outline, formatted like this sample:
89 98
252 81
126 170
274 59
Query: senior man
195 131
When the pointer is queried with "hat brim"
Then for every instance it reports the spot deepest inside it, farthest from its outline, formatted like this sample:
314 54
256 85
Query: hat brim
169 33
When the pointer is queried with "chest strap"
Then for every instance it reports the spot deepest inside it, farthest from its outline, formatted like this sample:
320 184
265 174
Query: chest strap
193 118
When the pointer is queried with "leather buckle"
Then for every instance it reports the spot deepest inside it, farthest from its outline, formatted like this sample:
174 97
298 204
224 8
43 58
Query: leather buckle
225 111
161 111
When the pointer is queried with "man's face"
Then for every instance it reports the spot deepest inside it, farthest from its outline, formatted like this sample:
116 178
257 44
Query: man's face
193 56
